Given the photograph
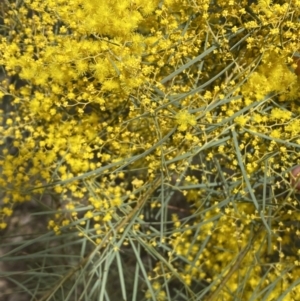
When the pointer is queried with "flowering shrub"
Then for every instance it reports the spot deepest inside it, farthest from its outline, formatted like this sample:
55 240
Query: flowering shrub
114 105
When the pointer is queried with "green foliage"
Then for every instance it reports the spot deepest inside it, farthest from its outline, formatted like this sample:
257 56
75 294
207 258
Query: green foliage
157 138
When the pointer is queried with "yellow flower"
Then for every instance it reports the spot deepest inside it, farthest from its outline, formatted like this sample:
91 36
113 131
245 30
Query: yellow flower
3 225
7 211
278 114
184 118
107 217
241 120
89 214
275 134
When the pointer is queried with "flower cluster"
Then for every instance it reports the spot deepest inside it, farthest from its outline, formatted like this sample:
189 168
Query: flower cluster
102 98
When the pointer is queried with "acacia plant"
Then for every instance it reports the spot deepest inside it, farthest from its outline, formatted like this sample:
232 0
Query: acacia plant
157 138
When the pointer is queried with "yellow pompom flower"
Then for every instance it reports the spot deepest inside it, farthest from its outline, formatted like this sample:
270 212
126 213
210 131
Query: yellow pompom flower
184 118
